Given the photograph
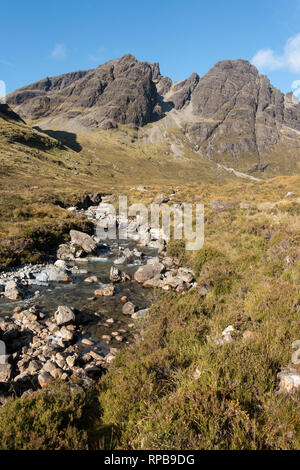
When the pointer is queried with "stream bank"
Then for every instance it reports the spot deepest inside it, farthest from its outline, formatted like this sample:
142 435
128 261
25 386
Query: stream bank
69 319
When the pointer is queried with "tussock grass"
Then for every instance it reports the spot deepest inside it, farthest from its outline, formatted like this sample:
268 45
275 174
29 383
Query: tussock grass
151 392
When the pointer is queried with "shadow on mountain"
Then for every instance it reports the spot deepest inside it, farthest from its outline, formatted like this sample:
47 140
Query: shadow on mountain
69 139
162 110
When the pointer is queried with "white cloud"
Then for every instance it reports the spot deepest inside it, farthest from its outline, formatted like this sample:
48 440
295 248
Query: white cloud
2 92
292 53
296 91
59 52
296 84
267 59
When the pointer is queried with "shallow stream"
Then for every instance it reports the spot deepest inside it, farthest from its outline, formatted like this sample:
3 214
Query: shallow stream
80 295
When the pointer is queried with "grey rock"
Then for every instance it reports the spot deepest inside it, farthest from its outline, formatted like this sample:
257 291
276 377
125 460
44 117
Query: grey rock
116 275
107 291
60 264
109 198
226 337
51 273
83 240
70 360
121 260
187 275
176 282
65 334
44 378
140 314
64 315
296 344
296 357
12 291
183 90
154 282
5 372
161 199
34 366
128 308
289 380
221 206
66 252
148 271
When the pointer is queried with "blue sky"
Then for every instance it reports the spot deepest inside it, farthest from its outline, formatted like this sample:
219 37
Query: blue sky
42 39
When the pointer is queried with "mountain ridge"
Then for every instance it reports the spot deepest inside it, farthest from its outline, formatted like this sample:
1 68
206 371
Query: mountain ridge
232 115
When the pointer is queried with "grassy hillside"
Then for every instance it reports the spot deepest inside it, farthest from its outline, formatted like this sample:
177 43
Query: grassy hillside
177 388
39 174
36 172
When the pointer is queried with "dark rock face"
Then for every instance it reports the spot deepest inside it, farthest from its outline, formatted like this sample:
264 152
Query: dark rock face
183 91
233 112
119 91
240 111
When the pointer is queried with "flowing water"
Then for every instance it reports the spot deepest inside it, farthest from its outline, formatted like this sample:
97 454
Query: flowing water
80 295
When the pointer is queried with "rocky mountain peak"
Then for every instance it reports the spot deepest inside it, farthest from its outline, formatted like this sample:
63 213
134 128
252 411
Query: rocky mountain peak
230 115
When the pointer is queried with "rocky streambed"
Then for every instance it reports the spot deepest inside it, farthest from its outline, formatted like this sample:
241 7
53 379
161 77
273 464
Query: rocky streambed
68 319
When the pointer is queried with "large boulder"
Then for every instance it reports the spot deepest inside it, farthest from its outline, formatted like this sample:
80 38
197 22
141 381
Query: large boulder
154 282
64 315
83 240
148 271
51 273
12 291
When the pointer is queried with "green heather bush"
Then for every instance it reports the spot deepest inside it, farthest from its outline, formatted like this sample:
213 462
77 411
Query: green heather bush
39 238
50 419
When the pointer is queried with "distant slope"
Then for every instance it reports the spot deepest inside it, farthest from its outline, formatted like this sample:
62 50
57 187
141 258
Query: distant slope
39 177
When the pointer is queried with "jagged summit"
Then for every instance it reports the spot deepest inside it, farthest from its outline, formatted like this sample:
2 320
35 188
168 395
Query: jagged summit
231 115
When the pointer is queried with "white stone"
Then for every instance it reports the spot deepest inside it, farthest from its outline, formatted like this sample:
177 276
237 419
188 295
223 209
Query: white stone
289 380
